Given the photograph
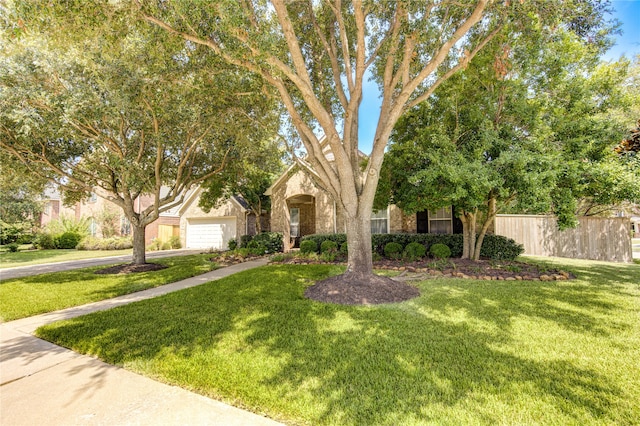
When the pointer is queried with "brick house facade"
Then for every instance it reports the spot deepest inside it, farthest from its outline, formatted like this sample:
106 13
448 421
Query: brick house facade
299 207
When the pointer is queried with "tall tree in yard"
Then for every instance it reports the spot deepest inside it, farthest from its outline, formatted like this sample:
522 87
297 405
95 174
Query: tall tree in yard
98 101
528 127
318 55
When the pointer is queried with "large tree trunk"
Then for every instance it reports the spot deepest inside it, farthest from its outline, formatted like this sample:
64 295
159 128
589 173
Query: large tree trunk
468 220
139 249
491 214
360 259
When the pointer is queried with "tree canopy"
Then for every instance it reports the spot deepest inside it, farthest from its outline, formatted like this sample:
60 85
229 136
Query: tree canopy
122 113
527 127
317 56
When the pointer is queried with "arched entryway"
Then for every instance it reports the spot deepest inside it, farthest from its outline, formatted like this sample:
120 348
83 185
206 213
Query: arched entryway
302 217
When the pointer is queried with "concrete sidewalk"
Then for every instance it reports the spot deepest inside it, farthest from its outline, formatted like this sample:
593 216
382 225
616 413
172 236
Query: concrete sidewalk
41 383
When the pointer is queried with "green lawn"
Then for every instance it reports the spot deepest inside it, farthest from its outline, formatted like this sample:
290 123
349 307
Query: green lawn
38 257
23 297
465 352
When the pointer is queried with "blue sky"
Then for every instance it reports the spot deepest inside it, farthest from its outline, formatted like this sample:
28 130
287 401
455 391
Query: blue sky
628 44
627 12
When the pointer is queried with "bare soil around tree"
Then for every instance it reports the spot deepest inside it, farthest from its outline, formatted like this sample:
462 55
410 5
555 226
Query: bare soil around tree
354 289
130 268
359 289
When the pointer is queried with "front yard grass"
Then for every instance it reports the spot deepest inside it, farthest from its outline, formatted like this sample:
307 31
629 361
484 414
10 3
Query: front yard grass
38 257
464 352
23 297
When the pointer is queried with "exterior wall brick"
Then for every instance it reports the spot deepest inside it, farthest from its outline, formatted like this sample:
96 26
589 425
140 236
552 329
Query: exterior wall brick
396 220
317 217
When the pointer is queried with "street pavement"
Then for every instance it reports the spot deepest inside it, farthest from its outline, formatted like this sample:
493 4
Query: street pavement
45 384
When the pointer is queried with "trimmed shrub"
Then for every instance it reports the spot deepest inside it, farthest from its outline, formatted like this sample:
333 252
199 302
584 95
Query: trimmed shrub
329 256
498 247
256 247
272 241
328 246
344 249
243 252
393 250
308 246
68 240
414 251
245 239
13 247
44 241
319 238
440 251
493 247
165 246
232 244
174 242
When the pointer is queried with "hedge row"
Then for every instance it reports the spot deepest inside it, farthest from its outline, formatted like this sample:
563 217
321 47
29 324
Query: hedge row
494 246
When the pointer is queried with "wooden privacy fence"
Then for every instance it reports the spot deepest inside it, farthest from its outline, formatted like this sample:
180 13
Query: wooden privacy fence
595 238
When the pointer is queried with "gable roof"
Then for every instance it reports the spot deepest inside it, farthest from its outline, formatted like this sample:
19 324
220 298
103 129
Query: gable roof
304 166
236 199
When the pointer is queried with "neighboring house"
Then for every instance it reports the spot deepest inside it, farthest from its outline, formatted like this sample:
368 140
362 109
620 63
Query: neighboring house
53 208
196 229
213 230
94 208
97 209
301 207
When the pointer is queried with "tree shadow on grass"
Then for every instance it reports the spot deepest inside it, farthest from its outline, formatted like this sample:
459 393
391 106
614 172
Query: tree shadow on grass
252 339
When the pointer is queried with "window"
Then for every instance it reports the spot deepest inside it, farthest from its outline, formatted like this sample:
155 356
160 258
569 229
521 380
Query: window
47 208
380 221
294 222
125 226
441 221
93 227
92 198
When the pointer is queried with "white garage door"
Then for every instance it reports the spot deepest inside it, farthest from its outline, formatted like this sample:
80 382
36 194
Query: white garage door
210 233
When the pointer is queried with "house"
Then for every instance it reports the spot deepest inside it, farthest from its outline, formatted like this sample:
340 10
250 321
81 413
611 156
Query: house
196 229
299 207
213 230
105 218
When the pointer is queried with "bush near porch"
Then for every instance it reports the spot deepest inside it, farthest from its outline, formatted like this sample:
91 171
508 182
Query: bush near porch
266 242
494 247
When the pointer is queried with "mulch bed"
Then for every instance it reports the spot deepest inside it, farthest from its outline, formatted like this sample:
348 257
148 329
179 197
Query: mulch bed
355 289
230 259
130 268
478 270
